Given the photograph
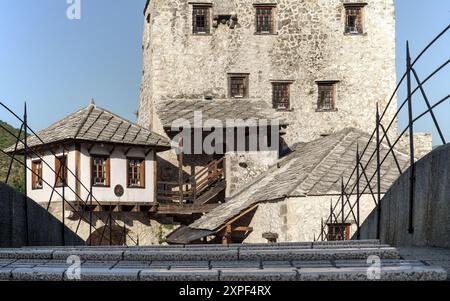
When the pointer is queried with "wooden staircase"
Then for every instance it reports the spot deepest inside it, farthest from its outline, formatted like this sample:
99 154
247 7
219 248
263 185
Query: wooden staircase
200 189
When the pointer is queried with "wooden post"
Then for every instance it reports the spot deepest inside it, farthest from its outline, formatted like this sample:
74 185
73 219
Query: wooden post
180 171
226 239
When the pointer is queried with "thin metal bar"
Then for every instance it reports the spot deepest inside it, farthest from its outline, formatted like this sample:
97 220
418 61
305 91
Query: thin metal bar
378 174
63 209
90 216
391 148
25 171
411 142
358 235
110 224
428 105
342 210
15 149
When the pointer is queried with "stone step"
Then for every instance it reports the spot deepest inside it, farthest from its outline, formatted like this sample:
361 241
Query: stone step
285 253
272 273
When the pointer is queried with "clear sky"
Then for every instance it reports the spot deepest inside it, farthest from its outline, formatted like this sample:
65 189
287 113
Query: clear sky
57 64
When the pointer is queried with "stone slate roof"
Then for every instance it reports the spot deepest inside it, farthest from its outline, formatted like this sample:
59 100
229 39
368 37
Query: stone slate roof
220 109
312 169
95 124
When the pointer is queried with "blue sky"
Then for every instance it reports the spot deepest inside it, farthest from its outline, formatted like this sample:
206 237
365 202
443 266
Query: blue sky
57 64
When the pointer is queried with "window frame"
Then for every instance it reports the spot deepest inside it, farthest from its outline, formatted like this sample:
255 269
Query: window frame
141 172
288 85
207 18
320 106
272 21
336 235
35 176
61 181
107 171
245 78
360 17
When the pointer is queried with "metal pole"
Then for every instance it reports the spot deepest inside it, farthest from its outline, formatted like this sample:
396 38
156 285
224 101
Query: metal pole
110 224
378 174
90 215
25 158
358 236
342 210
412 177
63 180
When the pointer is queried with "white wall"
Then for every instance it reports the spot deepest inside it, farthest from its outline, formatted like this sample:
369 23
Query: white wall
118 176
298 218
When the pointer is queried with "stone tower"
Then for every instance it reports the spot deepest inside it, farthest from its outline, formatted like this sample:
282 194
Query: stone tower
322 64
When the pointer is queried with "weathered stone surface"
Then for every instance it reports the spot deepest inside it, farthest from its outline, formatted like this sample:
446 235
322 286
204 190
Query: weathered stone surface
105 274
38 274
89 255
26 254
271 274
169 255
179 275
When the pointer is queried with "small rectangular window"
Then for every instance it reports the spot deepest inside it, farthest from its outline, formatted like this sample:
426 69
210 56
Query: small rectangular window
136 173
281 95
200 19
265 19
338 232
100 171
61 171
238 85
327 96
354 18
37 182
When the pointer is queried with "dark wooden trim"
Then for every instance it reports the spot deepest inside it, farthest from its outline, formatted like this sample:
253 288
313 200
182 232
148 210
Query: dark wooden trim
78 169
141 172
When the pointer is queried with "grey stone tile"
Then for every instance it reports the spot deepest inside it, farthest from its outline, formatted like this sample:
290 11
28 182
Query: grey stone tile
105 274
272 274
5 273
312 264
132 264
255 264
25 254
98 264
89 255
179 275
6 262
38 274
181 255
276 264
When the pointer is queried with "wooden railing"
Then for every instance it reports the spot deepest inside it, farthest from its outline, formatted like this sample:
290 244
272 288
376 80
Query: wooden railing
188 191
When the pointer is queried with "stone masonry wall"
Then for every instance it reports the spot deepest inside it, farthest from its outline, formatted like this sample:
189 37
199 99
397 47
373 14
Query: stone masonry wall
309 45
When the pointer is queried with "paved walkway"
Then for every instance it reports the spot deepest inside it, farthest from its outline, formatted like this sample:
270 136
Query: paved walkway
428 256
343 260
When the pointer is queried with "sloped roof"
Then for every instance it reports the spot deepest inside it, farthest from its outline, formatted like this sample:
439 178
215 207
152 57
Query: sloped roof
220 109
97 125
312 169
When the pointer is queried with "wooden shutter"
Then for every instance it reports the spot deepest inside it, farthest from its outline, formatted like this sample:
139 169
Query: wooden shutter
58 175
142 173
108 171
34 177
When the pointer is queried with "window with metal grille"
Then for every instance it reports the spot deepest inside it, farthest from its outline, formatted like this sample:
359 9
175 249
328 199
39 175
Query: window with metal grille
354 18
37 182
281 95
136 173
61 171
200 19
338 232
264 19
100 171
327 95
238 85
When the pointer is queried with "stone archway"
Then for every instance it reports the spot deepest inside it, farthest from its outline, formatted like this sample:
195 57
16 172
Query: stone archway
101 236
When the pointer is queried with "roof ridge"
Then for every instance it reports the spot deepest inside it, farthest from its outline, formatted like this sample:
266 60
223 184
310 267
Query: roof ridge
90 108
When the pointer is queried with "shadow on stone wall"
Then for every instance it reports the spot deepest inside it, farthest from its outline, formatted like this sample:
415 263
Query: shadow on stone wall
431 206
43 228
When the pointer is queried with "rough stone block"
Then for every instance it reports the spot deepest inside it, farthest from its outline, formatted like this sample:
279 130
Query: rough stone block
170 255
105 274
38 274
272 274
89 255
25 254
179 275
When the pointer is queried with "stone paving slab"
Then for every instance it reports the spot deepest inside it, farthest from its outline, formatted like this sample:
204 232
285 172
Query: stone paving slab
6 262
99 264
38 274
132 264
179 275
89 255
255 264
312 264
105 274
179 264
5 274
170 255
383 262
26 254
271 274
322 254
